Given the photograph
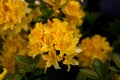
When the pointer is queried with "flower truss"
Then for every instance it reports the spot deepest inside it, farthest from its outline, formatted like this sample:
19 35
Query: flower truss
51 37
38 35
13 15
92 49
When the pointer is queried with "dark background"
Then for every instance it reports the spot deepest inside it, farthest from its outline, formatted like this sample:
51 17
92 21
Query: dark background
106 23
108 7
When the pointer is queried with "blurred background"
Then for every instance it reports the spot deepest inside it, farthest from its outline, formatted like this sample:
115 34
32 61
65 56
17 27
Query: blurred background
109 7
103 17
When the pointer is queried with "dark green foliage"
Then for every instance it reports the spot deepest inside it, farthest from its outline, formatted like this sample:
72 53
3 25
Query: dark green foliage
1 69
31 3
29 70
100 71
47 13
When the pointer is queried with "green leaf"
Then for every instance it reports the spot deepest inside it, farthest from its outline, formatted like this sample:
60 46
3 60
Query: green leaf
44 9
106 66
98 66
42 19
90 73
9 77
16 68
50 13
109 76
116 59
38 72
60 17
23 71
18 77
36 59
31 3
46 13
114 68
21 59
81 76
31 67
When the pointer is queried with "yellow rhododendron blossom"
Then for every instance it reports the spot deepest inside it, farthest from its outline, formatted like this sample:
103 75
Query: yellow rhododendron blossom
56 4
69 60
52 59
15 45
12 47
13 14
3 74
95 47
74 13
56 35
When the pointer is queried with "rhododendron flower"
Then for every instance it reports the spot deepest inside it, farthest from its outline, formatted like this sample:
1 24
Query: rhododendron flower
13 15
11 48
69 60
74 13
95 47
56 35
52 59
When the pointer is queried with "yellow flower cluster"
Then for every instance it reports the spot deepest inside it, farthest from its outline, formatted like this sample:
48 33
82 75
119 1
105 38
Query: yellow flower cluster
51 37
12 47
95 47
13 15
71 8
56 4
74 13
